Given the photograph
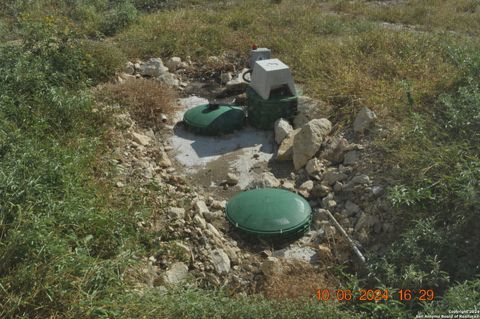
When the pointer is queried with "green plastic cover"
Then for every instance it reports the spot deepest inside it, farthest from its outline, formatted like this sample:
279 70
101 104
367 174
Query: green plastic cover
214 119
262 113
269 212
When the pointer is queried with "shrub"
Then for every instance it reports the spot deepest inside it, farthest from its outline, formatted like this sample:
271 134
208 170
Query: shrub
117 18
146 99
104 60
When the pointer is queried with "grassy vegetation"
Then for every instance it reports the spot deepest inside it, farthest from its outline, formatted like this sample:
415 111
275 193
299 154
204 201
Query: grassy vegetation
66 243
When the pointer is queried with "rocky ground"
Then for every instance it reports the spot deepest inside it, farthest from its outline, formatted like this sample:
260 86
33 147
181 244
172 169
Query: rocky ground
311 156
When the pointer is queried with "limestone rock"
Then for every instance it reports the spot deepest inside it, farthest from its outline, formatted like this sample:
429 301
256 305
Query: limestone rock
363 121
200 207
153 68
308 141
351 208
360 180
321 190
282 128
314 167
173 63
288 185
177 273
129 68
141 139
333 176
237 85
267 179
220 261
335 149
285 150
176 212
306 188
169 79
164 160
199 221
232 179
211 216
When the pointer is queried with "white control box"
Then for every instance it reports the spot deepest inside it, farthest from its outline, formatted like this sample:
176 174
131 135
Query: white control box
271 74
259 54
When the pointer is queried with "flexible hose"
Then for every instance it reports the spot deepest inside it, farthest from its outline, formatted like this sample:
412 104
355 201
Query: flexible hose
245 73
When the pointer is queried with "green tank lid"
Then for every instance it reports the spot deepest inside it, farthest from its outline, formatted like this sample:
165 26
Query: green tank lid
269 212
214 119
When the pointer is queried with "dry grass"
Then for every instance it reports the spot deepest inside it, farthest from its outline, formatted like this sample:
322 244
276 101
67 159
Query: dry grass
147 100
348 62
439 15
298 280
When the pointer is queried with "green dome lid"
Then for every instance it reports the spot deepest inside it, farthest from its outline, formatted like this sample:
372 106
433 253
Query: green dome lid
269 212
214 119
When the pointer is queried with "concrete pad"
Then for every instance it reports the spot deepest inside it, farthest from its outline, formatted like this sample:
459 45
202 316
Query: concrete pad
248 147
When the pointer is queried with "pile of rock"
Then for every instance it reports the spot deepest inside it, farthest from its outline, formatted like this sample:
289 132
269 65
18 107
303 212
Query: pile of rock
170 73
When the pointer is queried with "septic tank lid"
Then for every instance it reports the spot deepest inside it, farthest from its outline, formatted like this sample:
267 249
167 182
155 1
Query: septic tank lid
269 211
214 118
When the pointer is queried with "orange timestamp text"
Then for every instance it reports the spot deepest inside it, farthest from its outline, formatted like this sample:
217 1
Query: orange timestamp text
375 295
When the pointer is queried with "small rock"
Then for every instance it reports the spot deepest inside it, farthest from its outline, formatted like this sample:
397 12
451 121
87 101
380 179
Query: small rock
335 149
337 187
164 160
169 79
351 208
219 204
285 150
120 184
176 212
220 261
308 141
360 180
271 267
211 216
129 68
200 207
363 121
213 230
351 158
321 190
324 251
288 185
306 188
141 139
314 167
333 176
237 85
177 273
199 221
232 179
153 68
307 254
377 191
328 203
173 63
267 179
281 128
